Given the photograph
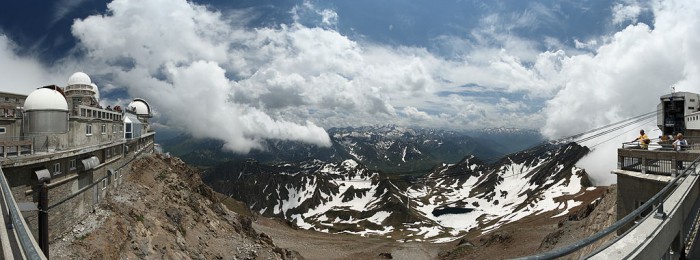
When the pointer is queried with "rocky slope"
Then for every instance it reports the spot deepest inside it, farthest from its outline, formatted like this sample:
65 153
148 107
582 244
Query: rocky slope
164 211
541 233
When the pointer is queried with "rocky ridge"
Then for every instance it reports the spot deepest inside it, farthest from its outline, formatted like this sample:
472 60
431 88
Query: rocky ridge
448 202
164 210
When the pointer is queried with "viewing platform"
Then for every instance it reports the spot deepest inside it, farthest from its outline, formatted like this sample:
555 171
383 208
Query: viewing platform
659 159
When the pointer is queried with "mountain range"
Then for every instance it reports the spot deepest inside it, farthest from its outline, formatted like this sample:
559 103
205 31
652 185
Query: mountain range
383 148
440 205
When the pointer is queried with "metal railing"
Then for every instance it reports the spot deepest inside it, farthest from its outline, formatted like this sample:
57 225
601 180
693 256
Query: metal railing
28 145
29 247
657 200
659 145
659 166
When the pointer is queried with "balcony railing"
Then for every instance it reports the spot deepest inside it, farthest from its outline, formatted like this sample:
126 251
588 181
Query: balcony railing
659 158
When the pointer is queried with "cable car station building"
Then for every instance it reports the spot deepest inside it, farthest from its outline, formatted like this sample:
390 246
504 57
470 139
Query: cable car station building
63 138
642 173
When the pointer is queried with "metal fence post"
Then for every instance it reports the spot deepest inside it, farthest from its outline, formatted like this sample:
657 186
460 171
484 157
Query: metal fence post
660 214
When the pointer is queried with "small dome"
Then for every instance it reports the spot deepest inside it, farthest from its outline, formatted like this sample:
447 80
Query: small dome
45 99
141 106
79 78
96 90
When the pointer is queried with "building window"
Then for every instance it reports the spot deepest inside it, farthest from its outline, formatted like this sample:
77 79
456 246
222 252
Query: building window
88 129
103 129
109 152
57 169
691 108
114 128
127 132
3 130
73 164
104 184
692 100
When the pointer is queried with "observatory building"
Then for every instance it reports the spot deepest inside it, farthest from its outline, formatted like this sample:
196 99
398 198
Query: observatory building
63 137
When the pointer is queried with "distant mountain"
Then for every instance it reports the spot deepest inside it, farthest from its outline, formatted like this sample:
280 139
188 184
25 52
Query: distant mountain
508 140
450 200
384 148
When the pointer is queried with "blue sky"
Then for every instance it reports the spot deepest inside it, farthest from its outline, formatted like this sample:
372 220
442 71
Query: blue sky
243 71
45 28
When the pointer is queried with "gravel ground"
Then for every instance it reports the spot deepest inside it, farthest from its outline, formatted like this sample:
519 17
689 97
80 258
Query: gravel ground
317 245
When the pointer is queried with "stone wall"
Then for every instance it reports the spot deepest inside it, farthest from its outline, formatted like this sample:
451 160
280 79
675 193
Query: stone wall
633 190
87 187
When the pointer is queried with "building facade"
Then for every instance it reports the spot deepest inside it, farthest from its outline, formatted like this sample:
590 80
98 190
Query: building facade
64 137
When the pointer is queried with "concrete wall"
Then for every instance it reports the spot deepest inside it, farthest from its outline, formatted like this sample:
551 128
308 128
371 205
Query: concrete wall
634 189
69 182
653 237
12 128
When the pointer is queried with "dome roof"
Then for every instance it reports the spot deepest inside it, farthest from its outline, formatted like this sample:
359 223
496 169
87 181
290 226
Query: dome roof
96 90
141 106
79 78
45 99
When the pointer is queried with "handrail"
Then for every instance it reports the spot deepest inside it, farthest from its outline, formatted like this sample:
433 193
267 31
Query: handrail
562 251
26 239
4 237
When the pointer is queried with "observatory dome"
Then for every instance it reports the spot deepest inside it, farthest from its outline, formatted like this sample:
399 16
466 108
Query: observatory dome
96 90
141 106
79 78
45 99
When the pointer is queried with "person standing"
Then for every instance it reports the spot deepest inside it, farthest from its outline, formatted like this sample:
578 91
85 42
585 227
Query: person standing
643 140
679 144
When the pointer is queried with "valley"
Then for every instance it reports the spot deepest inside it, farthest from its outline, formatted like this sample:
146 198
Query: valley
347 196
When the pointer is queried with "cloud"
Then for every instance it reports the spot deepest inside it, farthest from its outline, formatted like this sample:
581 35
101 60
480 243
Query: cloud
415 114
624 12
626 75
178 59
279 77
215 75
63 8
22 74
591 44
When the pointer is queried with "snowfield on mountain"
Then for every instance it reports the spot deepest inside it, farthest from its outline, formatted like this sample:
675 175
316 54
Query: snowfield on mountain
440 206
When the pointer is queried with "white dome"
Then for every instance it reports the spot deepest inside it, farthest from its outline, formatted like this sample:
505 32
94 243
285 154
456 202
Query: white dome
45 99
79 78
96 90
140 106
